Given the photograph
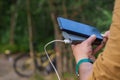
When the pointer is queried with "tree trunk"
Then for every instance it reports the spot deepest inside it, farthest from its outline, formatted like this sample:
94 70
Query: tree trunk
13 20
57 36
65 60
57 45
65 51
30 32
64 8
70 62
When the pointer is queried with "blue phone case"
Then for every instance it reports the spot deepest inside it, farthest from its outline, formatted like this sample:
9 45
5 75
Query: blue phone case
77 31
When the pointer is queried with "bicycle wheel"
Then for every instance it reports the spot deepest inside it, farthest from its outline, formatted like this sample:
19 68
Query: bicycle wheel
23 65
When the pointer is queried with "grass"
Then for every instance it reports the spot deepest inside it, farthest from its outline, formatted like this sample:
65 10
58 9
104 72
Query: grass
52 76
37 77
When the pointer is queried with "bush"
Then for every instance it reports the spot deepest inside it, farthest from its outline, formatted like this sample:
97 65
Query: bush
8 49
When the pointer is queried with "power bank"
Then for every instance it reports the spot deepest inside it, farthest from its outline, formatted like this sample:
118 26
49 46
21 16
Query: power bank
77 31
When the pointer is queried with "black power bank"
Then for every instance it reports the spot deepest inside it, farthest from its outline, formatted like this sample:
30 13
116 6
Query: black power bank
78 32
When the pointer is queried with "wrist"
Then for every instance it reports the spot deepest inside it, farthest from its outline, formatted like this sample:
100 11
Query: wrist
84 60
78 58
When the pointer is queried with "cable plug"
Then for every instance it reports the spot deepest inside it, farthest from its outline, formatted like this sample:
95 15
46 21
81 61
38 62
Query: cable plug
67 41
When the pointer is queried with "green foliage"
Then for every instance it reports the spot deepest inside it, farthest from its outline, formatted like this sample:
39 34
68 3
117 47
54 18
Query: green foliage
65 76
23 48
8 49
69 76
37 77
96 13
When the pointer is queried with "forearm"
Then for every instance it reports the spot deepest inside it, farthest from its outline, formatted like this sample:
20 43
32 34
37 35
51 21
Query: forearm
85 70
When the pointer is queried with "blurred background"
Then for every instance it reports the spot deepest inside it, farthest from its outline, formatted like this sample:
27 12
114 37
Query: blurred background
27 25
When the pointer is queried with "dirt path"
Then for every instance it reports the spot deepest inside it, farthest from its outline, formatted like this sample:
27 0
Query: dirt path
6 69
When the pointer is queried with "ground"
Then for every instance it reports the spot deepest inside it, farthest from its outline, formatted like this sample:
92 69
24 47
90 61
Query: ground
7 72
6 69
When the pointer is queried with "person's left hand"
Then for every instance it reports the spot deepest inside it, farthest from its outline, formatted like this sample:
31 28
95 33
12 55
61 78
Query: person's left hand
105 38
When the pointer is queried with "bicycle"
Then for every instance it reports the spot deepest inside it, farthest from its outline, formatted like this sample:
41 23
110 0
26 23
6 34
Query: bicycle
23 65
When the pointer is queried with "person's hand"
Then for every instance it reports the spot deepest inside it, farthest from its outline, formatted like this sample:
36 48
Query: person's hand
84 49
105 38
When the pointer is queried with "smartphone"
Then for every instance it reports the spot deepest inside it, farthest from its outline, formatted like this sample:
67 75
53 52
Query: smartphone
78 32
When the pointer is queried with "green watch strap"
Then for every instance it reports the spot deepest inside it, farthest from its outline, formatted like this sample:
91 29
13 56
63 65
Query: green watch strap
80 62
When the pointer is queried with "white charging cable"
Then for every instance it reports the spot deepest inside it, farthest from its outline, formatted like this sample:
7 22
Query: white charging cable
66 41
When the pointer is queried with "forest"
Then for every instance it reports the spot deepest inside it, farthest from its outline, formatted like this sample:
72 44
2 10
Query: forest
27 25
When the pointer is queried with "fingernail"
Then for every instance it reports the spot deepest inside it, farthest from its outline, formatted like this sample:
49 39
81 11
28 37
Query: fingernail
93 35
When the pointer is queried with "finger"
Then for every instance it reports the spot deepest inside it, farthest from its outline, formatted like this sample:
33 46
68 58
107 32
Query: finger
91 39
107 33
104 40
100 46
92 58
72 46
98 49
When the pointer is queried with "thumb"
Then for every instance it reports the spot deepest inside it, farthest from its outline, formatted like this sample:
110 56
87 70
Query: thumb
91 39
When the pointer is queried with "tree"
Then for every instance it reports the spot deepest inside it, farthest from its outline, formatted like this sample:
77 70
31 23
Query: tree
30 32
57 36
14 13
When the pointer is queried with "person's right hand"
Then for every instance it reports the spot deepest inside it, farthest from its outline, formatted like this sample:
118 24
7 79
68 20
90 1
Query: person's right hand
84 49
